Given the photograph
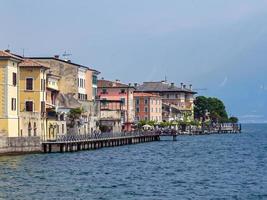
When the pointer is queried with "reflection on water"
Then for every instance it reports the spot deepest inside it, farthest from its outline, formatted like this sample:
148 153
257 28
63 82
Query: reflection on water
193 167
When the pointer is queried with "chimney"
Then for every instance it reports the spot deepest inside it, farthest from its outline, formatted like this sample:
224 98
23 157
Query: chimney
102 78
117 81
130 84
56 56
69 61
135 84
182 84
190 86
7 50
172 84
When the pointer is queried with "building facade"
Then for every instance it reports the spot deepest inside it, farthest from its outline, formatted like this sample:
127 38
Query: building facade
181 98
80 82
110 115
148 107
9 94
33 77
114 90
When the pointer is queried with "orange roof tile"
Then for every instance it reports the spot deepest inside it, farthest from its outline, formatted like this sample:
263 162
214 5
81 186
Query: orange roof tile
7 54
32 63
111 84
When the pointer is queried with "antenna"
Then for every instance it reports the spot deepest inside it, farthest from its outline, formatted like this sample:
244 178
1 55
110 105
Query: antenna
66 55
23 52
165 78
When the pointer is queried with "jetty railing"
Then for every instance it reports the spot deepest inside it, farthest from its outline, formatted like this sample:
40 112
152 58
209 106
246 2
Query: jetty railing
99 136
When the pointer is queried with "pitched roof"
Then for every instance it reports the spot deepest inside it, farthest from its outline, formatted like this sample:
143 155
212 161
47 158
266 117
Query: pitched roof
32 63
65 61
7 54
111 84
161 87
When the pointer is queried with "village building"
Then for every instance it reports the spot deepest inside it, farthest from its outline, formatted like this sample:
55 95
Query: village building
9 94
148 107
111 115
75 82
115 90
32 98
178 102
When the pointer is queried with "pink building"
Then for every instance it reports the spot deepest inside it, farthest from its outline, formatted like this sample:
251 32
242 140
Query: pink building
148 107
114 90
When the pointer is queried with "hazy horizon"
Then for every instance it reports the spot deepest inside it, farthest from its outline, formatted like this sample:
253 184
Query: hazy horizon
219 45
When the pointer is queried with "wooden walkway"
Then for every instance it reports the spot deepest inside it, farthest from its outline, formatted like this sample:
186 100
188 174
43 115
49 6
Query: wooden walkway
90 144
72 143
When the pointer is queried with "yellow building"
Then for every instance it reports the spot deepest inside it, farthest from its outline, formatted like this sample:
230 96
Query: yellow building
9 95
32 98
55 122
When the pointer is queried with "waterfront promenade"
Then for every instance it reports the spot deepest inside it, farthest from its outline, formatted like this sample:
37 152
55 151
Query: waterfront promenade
72 143
78 143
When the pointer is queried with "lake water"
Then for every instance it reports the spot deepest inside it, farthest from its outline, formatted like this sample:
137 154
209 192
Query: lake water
230 166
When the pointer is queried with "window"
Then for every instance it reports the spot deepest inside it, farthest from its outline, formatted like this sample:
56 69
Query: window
43 84
14 79
137 101
13 104
122 91
137 109
29 106
104 91
146 101
151 109
34 129
94 92
168 96
123 101
42 106
62 128
29 83
57 129
29 129
95 80
146 109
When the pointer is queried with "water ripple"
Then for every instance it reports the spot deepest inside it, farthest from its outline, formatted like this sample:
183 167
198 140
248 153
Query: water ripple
199 167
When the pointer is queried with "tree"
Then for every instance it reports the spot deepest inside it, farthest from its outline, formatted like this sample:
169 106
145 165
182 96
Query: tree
233 120
212 106
74 115
201 107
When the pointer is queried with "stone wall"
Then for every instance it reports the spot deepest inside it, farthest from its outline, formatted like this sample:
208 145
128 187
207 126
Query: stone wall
19 145
68 73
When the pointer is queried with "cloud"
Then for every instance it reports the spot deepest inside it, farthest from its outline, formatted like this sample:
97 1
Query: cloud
223 83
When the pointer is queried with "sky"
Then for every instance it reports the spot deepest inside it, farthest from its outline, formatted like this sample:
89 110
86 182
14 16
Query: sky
218 46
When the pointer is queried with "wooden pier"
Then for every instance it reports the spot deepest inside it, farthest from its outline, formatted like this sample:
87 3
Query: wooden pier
73 145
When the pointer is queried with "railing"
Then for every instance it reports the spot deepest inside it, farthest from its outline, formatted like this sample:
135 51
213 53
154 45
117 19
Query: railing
97 136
